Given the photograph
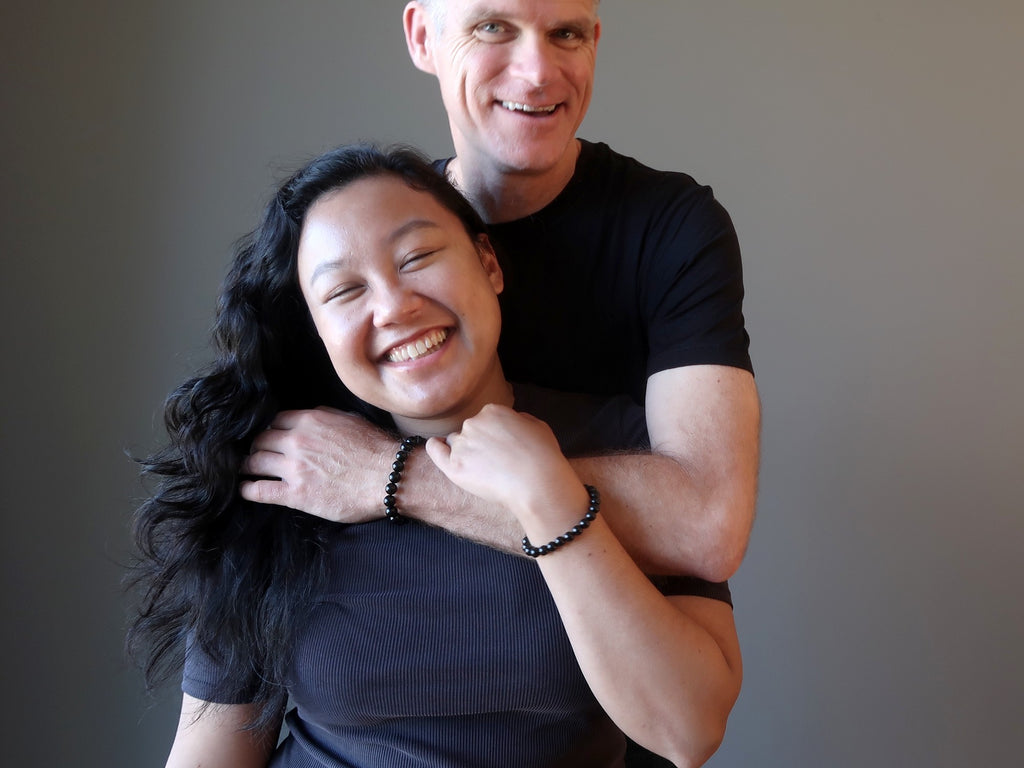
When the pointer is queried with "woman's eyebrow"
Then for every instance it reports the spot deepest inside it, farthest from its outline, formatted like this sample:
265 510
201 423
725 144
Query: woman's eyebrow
399 232
411 226
324 267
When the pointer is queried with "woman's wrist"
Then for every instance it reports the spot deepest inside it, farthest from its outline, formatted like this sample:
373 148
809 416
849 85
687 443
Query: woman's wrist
549 510
570 533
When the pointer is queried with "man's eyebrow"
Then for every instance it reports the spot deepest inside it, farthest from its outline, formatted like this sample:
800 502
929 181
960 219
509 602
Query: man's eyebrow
477 16
485 12
410 226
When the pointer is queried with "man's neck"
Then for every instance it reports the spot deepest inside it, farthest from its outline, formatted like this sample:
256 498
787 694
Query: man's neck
501 196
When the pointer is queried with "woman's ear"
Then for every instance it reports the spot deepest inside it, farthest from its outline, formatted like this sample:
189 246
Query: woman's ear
489 260
419 36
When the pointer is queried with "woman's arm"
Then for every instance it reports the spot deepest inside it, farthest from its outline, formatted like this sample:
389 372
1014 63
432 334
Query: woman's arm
666 669
214 736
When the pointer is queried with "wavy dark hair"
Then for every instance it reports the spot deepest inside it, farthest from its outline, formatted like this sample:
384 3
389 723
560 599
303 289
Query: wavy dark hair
234 577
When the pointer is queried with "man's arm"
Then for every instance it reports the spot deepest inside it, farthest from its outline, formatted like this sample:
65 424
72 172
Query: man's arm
686 508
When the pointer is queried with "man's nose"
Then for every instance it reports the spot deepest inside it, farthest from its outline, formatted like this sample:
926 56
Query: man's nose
394 303
534 60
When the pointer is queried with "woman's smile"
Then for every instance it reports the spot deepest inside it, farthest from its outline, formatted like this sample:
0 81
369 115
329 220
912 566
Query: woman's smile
423 345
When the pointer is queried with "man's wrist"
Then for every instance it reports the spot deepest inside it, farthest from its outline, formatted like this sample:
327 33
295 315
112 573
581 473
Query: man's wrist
405 449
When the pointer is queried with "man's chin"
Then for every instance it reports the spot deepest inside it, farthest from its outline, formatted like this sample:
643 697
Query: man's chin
532 158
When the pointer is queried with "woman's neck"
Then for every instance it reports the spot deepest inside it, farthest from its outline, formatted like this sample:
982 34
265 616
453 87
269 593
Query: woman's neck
498 392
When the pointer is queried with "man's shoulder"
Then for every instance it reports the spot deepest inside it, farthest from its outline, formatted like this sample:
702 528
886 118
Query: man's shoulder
600 158
607 179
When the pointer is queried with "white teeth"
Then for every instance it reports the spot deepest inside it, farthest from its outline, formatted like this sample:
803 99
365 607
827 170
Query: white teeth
418 348
517 107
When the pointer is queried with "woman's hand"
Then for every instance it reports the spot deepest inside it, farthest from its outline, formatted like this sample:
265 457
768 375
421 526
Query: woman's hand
667 670
512 459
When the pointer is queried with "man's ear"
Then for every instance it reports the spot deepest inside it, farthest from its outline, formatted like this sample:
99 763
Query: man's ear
490 263
418 36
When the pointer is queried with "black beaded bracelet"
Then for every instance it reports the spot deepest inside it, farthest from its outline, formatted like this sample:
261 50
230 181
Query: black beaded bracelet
572 533
390 503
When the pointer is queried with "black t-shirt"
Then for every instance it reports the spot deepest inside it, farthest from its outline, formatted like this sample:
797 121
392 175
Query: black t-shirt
424 649
629 271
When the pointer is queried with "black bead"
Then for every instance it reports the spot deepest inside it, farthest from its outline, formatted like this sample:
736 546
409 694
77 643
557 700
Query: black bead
390 505
572 533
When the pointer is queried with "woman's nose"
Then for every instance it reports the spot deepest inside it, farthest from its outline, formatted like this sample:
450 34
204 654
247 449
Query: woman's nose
394 303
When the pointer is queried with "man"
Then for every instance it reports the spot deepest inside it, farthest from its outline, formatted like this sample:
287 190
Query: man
655 319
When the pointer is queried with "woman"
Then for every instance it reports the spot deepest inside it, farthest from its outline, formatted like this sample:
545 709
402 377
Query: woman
370 285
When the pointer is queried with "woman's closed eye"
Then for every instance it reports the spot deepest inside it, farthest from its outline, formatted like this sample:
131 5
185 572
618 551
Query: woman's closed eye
419 259
344 292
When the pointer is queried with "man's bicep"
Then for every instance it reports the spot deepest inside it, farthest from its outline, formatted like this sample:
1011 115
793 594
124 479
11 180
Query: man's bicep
701 413
707 418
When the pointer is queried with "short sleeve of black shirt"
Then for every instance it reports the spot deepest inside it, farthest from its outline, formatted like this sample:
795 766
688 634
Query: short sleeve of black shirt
630 271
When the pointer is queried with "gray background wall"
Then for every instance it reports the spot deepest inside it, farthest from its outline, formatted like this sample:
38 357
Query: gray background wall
870 153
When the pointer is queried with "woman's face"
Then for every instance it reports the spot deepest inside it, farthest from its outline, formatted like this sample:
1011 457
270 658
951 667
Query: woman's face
404 301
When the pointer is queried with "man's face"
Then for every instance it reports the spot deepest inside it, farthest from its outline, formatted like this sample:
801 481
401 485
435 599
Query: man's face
516 78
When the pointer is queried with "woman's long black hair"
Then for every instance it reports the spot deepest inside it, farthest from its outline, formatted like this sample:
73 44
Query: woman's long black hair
231 576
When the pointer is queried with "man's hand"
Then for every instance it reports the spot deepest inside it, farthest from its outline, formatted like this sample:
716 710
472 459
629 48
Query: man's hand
334 465
323 462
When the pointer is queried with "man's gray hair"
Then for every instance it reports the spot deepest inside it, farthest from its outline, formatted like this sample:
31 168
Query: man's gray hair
436 9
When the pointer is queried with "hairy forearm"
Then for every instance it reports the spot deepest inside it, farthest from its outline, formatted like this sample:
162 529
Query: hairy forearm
669 519
655 508
430 497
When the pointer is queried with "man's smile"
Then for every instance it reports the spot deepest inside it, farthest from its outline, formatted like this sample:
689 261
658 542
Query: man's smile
515 106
